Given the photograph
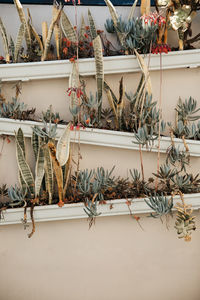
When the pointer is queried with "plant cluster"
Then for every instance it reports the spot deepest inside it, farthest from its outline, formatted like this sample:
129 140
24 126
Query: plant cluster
145 34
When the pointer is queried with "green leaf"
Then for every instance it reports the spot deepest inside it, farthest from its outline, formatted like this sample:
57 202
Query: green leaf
24 168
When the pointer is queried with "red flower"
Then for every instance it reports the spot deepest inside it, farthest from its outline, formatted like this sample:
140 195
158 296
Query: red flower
72 127
1 58
72 59
65 51
87 27
86 35
68 44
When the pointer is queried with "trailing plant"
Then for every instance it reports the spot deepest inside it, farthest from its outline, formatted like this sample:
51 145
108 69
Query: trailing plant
160 204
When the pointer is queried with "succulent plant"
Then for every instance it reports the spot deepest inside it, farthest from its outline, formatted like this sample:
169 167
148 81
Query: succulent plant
160 204
50 116
48 132
185 223
17 196
15 110
136 33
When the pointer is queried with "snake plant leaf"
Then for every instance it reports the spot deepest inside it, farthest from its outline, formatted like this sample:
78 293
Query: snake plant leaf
98 53
5 40
39 171
93 30
113 12
82 29
73 84
132 11
63 146
48 167
67 28
23 21
18 43
58 172
12 47
24 168
57 36
55 19
115 19
34 32
20 139
44 32
35 143
145 71
145 7
57 32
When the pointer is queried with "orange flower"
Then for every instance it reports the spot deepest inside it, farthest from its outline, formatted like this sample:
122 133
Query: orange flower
87 121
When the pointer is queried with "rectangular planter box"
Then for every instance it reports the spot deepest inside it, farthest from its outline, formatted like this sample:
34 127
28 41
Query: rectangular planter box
112 65
75 211
99 137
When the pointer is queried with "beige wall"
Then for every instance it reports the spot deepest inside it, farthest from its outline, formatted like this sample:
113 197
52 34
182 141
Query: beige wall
114 260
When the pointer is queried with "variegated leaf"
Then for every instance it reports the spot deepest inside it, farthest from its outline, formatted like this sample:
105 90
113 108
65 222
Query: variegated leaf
24 168
63 146
39 171
67 28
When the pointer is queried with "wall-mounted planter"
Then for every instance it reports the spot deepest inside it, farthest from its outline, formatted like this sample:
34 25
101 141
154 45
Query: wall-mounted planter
112 65
99 137
75 211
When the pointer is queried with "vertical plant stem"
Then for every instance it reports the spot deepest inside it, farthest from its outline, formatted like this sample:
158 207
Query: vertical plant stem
141 162
159 124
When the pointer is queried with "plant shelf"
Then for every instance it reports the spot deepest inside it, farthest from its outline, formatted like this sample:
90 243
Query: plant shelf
99 137
112 65
75 211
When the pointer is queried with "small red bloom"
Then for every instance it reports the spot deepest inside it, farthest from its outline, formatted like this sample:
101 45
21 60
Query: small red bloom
68 43
87 27
1 58
72 127
65 51
86 35
72 59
